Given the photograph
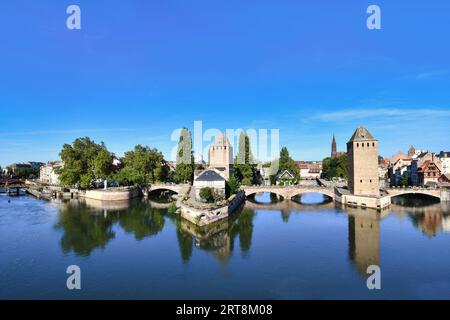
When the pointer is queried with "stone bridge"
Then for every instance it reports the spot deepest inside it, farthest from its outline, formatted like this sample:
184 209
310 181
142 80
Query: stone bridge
287 192
176 188
436 193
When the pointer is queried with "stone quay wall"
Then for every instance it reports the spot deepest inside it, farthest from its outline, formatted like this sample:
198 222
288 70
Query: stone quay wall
113 194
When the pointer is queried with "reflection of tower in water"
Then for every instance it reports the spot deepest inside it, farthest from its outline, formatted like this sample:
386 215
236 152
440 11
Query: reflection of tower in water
364 241
214 238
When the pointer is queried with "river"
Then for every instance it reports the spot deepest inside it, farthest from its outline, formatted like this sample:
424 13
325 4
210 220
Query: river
273 249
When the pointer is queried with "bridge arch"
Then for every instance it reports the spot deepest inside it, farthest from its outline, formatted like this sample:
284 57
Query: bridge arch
327 193
253 192
155 189
434 195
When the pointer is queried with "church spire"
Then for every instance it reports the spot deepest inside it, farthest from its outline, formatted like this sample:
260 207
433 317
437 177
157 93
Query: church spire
333 148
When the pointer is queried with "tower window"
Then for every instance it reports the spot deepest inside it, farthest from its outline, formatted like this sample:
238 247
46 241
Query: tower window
357 145
368 144
373 144
360 181
370 180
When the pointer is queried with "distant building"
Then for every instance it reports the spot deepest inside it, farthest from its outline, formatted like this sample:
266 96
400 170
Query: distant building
310 170
334 153
444 158
49 173
398 156
383 167
424 168
210 178
221 156
397 170
411 152
429 172
362 150
16 167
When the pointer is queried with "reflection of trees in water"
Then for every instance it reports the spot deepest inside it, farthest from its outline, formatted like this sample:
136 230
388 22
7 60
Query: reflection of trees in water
244 227
217 238
86 228
142 220
185 242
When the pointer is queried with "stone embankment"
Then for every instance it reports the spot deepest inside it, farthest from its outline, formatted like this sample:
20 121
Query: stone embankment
203 214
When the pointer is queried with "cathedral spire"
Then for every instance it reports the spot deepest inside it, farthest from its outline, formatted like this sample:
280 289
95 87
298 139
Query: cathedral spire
333 148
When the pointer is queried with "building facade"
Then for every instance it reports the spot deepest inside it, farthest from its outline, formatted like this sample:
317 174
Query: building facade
444 158
210 178
362 149
49 174
310 170
221 156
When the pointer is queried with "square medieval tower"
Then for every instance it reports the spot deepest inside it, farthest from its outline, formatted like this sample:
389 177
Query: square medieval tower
221 156
362 152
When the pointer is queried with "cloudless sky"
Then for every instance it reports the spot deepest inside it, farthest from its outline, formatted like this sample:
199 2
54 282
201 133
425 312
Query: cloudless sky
139 69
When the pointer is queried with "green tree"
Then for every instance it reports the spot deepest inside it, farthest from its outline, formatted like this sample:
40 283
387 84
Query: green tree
82 162
342 166
328 168
184 171
287 163
232 186
404 182
337 167
245 168
103 164
143 165
209 194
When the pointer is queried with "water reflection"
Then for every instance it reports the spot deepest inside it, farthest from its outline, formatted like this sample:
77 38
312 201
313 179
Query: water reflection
218 238
88 225
84 229
364 240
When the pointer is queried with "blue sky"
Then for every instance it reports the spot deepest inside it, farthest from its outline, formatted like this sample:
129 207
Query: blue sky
137 70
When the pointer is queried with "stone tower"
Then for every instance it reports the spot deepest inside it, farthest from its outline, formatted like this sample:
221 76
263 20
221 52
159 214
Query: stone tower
333 148
362 152
221 156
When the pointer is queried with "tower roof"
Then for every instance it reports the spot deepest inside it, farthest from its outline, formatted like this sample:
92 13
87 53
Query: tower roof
362 134
221 140
209 175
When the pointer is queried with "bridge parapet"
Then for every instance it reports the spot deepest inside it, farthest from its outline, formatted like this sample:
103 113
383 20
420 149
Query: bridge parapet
288 192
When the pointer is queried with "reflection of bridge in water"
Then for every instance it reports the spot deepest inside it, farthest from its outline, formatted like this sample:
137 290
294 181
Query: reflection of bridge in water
288 205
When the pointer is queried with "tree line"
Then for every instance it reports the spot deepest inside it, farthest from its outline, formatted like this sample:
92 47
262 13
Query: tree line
87 162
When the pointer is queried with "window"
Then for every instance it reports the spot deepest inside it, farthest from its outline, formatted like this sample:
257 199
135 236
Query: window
373 144
368 144
370 180
360 181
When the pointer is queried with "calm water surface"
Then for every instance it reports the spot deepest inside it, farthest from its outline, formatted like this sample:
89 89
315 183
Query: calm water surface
272 250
